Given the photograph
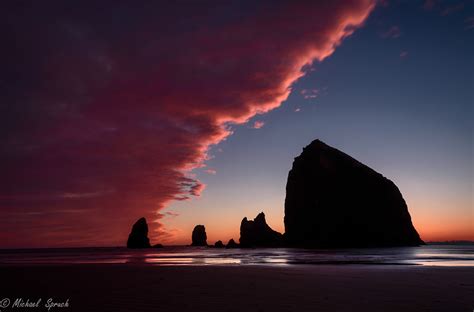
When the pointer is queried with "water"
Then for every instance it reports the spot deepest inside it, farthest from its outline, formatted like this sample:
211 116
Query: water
432 255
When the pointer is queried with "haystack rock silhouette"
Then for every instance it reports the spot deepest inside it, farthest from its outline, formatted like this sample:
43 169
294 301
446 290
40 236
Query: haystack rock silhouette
257 233
199 236
332 201
138 237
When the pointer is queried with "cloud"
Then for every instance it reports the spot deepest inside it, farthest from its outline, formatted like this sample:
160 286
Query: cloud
469 23
114 103
172 213
452 9
211 171
383 3
310 93
441 7
393 32
429 4
403 54
258 124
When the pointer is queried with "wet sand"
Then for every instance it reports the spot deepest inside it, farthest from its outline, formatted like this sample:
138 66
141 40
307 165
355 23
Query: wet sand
122 287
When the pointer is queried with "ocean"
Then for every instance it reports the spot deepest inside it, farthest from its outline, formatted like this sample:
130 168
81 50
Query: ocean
427 255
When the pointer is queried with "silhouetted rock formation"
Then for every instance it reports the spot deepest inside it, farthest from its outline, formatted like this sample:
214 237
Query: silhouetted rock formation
199 236
257 233
138 237
219 244
332 200
232 244
158 246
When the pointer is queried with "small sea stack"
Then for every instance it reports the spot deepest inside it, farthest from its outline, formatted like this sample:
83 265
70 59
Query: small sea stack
219 244
257 233
138 237
199 236
232 244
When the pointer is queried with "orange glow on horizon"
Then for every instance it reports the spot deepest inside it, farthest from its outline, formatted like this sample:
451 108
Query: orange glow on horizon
430 229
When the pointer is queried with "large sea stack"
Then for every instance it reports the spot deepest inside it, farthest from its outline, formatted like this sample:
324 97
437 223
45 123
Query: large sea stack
333 201
257 233
138 237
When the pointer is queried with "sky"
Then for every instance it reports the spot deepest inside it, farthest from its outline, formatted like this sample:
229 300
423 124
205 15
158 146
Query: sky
192 112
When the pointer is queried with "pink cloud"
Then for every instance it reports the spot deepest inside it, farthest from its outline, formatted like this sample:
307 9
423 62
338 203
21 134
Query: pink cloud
172 213
403 54
258 124
211 171
116 109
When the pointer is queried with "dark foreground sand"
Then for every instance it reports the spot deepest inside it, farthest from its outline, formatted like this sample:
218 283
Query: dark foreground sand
242 288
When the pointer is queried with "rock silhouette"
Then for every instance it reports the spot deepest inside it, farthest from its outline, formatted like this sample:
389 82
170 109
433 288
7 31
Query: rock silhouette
199 237
232 244
257 233
332 200
138 237
219 244
158 246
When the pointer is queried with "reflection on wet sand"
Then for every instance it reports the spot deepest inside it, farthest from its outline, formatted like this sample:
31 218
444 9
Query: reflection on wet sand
430 255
